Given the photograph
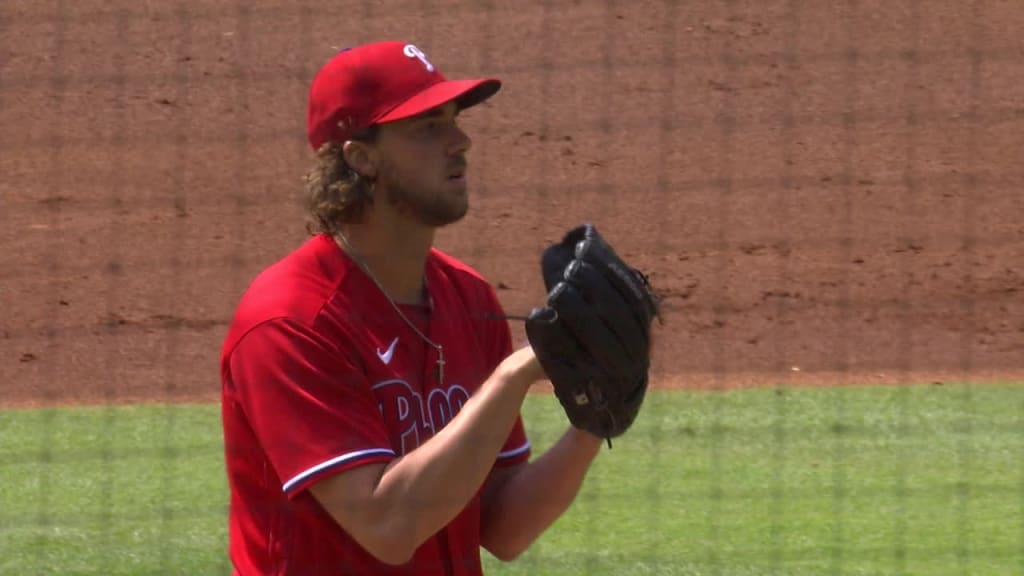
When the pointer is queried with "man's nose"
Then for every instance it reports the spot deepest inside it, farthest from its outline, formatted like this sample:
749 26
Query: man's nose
461 142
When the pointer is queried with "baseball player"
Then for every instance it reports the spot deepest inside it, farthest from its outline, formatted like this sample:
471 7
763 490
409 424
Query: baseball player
370 392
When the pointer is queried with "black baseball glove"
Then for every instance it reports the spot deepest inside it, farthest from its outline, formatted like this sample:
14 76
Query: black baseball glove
593 335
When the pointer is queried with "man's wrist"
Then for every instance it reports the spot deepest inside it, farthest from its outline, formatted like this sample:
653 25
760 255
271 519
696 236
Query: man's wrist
585 439
521 369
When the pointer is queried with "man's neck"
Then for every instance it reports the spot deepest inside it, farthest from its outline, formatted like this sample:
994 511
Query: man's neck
395 255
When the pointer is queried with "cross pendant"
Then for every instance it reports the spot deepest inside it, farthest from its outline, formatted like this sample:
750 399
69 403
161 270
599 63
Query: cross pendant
440 367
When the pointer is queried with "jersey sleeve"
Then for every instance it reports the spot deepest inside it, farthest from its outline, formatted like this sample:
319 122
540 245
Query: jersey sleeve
516 449
307 403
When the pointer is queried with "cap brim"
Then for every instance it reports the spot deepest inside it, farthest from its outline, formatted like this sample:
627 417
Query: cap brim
465 93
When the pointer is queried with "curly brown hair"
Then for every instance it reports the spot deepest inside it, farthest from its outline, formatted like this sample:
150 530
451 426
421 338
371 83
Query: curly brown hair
335 193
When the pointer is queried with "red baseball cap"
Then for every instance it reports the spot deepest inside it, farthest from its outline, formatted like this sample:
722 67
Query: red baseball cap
382 82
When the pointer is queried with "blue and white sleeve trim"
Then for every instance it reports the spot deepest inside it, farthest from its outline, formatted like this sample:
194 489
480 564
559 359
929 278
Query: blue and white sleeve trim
514 452
335 462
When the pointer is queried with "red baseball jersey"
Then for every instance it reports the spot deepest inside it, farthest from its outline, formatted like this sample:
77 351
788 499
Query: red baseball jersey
320 375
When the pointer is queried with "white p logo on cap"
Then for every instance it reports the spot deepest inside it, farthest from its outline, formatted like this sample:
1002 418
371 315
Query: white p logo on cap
414 52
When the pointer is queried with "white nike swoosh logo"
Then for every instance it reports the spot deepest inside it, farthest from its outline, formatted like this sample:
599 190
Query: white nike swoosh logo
385 356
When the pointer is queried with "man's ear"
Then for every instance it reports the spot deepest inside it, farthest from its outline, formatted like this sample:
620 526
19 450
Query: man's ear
361 157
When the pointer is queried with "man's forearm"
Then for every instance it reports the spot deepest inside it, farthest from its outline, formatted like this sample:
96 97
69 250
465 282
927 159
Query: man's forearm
391 510
431 485
528 503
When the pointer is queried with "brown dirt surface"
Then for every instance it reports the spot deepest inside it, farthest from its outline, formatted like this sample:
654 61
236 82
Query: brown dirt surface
823 192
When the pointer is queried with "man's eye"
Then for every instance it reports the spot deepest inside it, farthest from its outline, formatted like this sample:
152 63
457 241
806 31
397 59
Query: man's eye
435 126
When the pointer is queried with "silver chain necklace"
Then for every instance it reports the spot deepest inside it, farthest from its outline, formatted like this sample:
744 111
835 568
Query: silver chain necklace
358 259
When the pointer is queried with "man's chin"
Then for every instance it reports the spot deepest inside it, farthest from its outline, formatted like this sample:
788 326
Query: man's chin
440 216
442 220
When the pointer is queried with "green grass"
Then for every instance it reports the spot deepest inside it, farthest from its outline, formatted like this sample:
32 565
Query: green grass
908 480
113 491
